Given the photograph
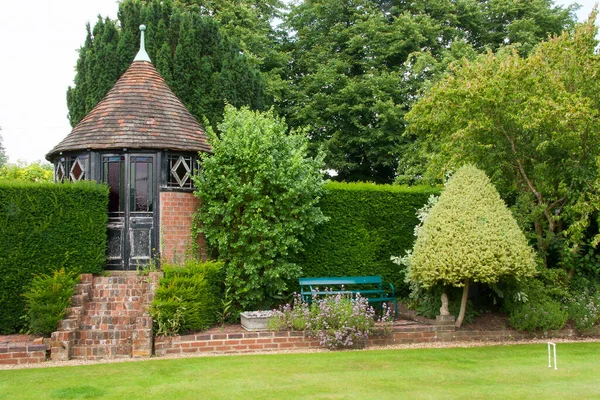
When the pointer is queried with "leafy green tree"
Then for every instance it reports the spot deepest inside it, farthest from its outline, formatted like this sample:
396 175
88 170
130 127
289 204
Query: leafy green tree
469 235
3 157
259 194
21 171
530 122
201 59
357 66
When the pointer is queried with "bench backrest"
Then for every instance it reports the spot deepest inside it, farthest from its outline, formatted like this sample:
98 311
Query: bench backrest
341 280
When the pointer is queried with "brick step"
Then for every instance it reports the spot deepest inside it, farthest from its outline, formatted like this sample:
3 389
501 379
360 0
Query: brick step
119 300
107 320
83 288
69 324
124 333
109 313
106 327
132 305
103 293
118 280
100 352
102 342
74 311
117 287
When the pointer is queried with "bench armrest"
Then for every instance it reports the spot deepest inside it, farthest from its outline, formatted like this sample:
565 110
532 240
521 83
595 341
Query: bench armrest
392 287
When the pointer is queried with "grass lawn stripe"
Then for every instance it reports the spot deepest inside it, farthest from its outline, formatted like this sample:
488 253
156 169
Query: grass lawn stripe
515 372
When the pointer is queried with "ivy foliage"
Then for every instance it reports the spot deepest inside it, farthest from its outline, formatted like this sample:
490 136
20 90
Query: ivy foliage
259 194
43 228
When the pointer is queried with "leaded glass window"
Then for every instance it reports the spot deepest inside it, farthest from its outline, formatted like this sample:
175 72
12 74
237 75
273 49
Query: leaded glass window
180 172
77 170
71 168
59 171
114 175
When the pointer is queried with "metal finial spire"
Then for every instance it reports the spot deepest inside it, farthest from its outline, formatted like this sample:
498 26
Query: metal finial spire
142 55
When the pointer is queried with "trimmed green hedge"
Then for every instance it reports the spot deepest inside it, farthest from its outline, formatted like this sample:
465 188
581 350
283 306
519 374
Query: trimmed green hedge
368 224
188 297
45 227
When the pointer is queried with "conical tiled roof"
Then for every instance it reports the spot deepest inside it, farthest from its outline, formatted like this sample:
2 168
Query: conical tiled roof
139 112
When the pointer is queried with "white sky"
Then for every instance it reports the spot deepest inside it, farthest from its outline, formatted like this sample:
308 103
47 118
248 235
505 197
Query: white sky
38 43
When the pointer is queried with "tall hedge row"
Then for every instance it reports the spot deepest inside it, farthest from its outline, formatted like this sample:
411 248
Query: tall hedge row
45 227
367 224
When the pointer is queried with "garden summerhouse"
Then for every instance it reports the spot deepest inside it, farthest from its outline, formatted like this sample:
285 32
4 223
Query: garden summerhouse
141 141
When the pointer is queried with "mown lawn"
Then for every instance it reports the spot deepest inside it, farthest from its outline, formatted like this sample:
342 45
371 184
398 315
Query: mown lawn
506 372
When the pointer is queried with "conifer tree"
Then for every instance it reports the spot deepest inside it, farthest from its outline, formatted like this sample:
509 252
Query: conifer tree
200 61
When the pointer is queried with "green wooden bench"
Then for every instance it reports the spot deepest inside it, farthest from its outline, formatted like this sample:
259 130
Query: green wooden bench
370 287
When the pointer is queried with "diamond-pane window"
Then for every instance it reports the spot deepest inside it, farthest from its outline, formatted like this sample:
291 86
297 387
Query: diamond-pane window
77 171
180 172
59 172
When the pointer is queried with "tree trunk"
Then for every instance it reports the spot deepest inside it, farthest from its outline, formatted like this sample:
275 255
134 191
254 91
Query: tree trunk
539 231
463 304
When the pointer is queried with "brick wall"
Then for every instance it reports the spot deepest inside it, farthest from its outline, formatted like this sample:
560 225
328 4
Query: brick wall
21 349
176 212
26 352
248 342
238 342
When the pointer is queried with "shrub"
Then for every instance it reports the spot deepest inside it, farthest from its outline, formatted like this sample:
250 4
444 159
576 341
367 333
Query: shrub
259 192
469 235
188 297
338 320
584 309
47 299
45 227
366 224
295 316
544 315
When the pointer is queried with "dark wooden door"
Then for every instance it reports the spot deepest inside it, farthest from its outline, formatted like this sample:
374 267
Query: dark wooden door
132 233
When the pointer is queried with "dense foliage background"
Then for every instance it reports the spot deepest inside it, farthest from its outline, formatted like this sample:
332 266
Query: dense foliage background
347 70
367 223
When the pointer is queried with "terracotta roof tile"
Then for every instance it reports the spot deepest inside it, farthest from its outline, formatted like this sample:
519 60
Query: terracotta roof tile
139 112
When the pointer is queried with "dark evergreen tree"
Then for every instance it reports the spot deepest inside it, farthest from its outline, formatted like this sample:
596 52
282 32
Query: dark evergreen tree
201 62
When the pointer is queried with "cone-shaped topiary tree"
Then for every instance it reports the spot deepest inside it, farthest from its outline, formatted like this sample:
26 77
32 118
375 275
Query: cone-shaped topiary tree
468 236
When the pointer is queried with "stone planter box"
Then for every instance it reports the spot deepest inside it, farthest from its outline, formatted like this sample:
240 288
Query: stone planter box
256 320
